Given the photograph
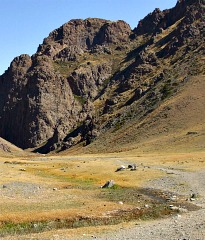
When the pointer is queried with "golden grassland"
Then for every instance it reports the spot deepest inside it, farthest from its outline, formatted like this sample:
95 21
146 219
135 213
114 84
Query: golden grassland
63 187
70 185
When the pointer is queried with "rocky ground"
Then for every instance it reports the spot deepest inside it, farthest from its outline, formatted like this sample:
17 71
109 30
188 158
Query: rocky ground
185 225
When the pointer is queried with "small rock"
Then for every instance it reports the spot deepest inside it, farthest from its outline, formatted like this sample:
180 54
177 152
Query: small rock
121 168
183 210
120 202
174 208
173 198
109 184
35 225
55 189
22 169
132 167
191 133
4 186
193 195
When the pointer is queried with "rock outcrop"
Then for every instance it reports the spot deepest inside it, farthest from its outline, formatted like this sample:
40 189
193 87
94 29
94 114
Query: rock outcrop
89 76
88 79
39 95
158 20
81 35
4 147
36 100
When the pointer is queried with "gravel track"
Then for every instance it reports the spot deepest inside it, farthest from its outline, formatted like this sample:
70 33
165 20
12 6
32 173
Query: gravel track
186 226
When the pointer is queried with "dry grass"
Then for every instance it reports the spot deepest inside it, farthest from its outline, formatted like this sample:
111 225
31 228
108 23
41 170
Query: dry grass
57 188
165 129
77 180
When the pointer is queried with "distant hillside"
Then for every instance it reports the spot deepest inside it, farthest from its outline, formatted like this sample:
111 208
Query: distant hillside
8 149
102 85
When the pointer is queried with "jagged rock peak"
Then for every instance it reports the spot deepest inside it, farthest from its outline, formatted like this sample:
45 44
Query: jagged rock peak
190 2
158 19
18 67
86 34
23 61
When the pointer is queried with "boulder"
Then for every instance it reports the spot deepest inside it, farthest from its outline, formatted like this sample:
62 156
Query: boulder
121 168
109 184
132 167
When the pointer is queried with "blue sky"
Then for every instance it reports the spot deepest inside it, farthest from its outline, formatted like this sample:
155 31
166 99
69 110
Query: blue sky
25 23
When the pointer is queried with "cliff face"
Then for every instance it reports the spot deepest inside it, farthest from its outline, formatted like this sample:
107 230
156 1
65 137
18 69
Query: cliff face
35 100
51 91
88 75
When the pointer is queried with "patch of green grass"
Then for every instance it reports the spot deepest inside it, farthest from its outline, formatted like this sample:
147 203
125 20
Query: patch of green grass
157 211
80 99
62 67
40 206
167 91
105 82
65 68
157 207
118 193
9 228
82 183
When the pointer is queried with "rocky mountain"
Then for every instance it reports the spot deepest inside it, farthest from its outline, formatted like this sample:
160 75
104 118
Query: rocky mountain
89 78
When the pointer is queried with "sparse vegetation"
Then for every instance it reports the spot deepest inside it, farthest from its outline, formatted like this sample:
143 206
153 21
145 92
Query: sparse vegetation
63 67
80 99
167 91
144 93
68 186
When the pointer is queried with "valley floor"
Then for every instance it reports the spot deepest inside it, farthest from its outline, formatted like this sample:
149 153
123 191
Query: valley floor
41 188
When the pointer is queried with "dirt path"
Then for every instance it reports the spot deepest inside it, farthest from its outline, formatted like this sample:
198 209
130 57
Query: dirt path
186 226
183 226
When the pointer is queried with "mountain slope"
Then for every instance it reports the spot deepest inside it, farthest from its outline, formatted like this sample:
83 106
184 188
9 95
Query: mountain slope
177 125
8 149
90 78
